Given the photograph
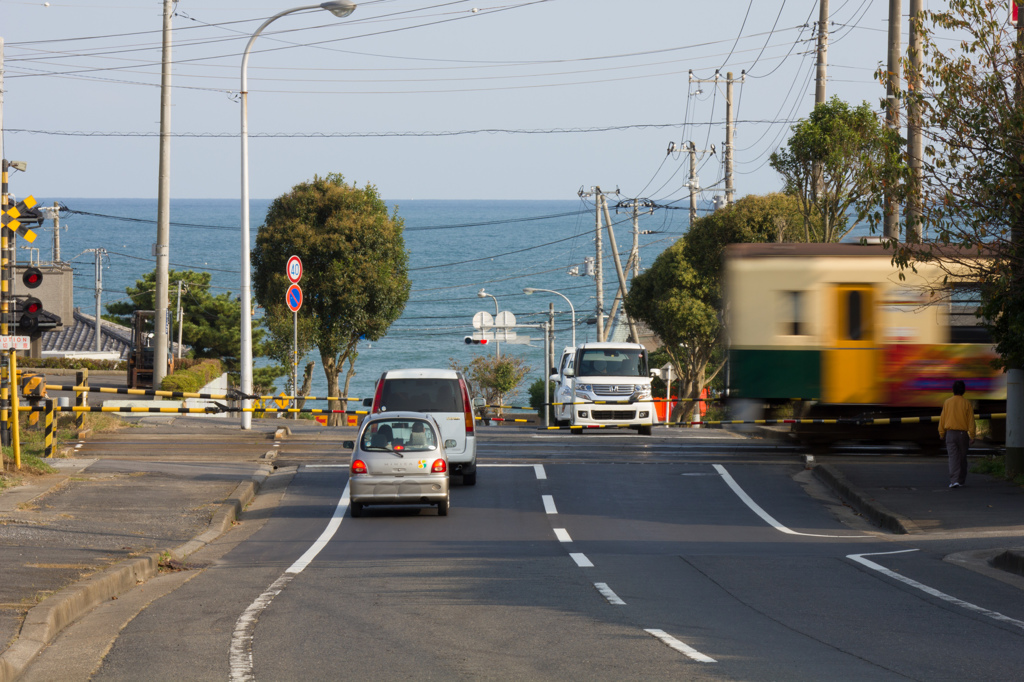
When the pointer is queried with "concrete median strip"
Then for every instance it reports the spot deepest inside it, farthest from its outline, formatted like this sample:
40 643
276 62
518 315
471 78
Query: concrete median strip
872 509
47 619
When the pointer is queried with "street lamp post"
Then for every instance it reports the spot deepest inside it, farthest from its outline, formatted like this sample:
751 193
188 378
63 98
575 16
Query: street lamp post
572 311
340 9
497 346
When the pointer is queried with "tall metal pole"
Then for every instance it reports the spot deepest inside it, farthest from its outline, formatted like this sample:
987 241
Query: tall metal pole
99 295
819 83
547 382
693 183
163 208
180 318
295 360
598 265
891 209
1014 457
730 189
915 138
56 232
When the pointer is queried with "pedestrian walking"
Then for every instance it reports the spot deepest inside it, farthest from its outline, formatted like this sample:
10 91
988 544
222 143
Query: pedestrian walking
956 426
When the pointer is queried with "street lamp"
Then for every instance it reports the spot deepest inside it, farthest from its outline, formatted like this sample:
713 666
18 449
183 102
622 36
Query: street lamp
531 290
497 346
340 9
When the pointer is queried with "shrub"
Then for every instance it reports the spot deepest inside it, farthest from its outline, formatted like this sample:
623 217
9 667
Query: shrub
193 378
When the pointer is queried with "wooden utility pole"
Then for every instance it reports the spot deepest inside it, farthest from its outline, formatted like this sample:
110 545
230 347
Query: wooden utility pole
891 208
730 187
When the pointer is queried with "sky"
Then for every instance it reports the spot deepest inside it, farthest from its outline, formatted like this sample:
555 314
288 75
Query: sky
426 99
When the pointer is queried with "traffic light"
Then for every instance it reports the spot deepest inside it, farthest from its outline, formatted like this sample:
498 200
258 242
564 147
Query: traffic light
32 278
470 340
31 309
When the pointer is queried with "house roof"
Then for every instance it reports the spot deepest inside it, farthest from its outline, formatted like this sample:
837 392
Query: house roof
80 336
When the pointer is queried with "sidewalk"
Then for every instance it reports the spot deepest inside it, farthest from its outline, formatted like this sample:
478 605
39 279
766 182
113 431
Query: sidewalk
71 540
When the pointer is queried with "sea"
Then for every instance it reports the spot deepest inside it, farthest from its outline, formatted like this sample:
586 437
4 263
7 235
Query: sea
456 249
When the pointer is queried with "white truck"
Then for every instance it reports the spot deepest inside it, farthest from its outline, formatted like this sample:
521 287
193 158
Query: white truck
605 384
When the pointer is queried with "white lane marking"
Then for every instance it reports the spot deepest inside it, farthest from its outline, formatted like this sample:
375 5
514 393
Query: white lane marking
581 559
607 593
539 470
765 516
995 615
562 535
680 646
549 504
240 656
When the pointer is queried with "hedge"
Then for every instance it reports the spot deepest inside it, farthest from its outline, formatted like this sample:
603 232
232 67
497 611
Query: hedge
193 378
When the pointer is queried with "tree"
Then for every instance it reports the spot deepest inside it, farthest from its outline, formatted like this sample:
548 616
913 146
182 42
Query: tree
493 378
972 186
355 268
834 163
210 323
680 295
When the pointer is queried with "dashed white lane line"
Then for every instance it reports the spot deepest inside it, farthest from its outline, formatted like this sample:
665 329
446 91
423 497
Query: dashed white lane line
562 535
539 470
607 593
581 559
549 504
681 647
995 615
746 499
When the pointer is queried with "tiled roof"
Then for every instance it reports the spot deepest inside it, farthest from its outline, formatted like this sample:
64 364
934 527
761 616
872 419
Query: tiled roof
81 337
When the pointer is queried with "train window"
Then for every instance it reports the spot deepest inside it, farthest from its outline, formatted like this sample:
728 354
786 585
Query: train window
854 316
792 310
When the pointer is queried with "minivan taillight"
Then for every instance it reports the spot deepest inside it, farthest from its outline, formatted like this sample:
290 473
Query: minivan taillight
358 467
378 394
467 408
439 467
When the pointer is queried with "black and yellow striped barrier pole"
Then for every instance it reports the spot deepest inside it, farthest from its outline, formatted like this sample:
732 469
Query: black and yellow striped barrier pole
48 427
81 397
185 394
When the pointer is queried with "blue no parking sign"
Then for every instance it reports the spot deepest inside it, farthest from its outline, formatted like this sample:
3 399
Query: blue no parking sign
294 298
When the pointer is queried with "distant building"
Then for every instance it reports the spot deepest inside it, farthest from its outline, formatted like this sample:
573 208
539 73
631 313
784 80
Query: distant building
79 339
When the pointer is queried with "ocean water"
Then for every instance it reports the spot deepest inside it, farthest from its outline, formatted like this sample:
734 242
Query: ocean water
455 249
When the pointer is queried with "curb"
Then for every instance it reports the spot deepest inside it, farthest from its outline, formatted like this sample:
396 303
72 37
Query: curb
1011 560
46 620
871 509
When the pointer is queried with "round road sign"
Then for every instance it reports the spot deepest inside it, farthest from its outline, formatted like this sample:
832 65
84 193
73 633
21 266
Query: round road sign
294 298
294 269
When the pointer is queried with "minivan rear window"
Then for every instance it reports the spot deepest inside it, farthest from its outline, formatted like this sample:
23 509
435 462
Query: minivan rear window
421 395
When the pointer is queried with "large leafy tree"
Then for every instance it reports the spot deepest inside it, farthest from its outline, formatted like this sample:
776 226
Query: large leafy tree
210 324
355 268
680 295
971 103
835 162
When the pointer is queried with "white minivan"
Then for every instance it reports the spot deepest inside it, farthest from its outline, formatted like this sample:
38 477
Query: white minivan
444 395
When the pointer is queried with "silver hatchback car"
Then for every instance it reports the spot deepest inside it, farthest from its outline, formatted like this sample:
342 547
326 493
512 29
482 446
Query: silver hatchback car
399 459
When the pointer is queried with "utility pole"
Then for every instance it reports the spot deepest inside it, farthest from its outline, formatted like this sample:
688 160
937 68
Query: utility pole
163 209
915 138
1014 457
56 232
623 289
180 319
598 261
730 128
99 253
891 209
693 183
819 83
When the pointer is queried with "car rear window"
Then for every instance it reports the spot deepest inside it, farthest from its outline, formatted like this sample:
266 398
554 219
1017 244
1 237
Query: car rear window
421 395
412 435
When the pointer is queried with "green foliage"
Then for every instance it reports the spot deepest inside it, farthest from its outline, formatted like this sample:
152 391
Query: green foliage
835 161
972 189
536 392
211 323
192 379
491 378
355 270
72 363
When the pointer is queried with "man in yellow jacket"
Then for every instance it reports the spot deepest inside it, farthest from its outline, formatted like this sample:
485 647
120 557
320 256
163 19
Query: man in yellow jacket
956 425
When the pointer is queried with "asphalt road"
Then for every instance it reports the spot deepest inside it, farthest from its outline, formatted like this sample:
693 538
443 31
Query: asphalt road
602 557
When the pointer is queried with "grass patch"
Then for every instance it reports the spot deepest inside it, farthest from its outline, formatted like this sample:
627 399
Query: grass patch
995 467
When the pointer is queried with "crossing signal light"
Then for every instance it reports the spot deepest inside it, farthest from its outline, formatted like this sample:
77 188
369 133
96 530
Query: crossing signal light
470 340
32 277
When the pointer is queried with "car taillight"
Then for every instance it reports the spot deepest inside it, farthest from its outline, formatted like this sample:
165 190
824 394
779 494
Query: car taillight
440 466
378 394
359 467
467 408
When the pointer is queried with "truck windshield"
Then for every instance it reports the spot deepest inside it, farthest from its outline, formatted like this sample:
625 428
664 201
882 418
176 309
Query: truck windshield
611 362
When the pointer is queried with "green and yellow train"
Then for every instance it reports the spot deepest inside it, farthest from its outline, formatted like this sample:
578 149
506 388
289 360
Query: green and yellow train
835 327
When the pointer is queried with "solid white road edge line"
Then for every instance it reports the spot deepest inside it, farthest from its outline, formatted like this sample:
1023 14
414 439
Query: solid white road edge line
240 657
680 646
995 615
607 593
562 535
549 504
765 516
581 559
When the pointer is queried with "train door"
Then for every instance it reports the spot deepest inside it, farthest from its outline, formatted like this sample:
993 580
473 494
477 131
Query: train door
850 363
